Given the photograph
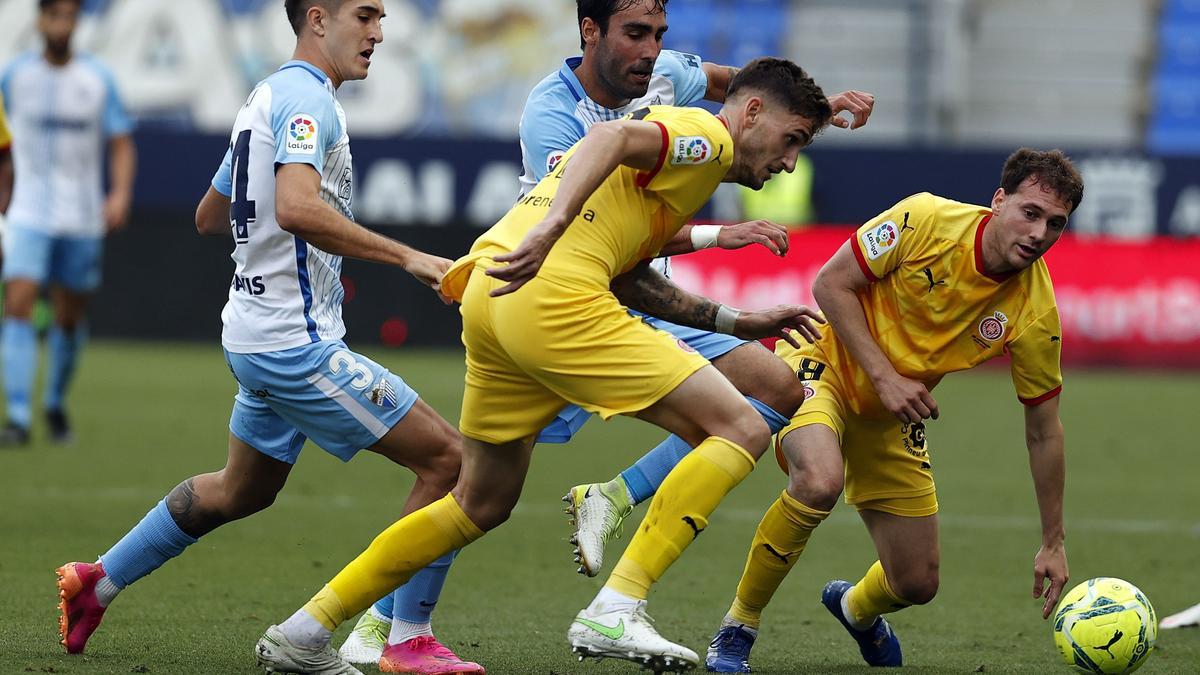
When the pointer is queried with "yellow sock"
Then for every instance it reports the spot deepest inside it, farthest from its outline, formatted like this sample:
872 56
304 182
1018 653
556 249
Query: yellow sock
778 542
679 513
393 558
872 596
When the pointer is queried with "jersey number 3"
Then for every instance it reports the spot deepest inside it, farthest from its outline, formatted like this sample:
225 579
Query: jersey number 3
241 210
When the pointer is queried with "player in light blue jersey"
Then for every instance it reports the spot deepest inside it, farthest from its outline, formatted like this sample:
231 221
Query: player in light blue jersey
624 68
284 192
65 113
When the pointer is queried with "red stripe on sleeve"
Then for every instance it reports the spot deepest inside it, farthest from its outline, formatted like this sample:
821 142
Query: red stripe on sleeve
1044 397
862 260
644 178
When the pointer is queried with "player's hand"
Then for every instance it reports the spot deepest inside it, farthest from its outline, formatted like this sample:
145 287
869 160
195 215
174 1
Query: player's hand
771 236
909 400
1050 564
429 270
858 103
781 321
116 212
526 260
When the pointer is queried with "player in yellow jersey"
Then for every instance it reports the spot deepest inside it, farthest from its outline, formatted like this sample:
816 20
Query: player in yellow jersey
544 295
6 167
929 287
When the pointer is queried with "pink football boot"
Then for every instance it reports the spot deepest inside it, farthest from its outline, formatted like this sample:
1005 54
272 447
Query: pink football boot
80 609
424 655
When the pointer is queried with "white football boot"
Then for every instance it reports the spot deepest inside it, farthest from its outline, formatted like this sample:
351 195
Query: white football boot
628 634
366 642
597 511
1188 618
277 654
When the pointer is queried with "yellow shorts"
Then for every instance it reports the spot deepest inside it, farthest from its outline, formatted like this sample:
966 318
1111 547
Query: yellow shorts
531 352
887 462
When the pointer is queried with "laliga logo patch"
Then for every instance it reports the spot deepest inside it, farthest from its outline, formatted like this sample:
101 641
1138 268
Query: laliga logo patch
691 150
553 159
880 239
992 327
302 135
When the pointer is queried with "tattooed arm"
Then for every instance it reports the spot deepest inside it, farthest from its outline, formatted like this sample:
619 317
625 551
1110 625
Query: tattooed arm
719 78
646 290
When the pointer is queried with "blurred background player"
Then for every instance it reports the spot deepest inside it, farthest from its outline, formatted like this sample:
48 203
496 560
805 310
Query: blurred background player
624 68
928 287
6 176
616 198
285 189
65 112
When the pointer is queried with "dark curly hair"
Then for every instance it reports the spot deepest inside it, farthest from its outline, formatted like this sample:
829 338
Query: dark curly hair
1051 168
601 11
786 83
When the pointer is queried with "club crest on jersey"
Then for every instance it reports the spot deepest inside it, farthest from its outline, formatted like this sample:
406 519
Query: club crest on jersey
553 159
302 135
691 150
880 239
684 346
992 327
383 394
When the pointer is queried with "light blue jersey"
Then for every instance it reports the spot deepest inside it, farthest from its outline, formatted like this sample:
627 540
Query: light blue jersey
62 118
285 292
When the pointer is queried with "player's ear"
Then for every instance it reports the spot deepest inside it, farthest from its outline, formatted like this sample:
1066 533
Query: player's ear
752 109
590 31
998 198
317 17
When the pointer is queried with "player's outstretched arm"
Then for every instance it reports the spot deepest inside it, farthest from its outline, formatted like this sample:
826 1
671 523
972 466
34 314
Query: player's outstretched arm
646 290
836 291
1044 437
769 235
859 104
212 214
606 146
122 165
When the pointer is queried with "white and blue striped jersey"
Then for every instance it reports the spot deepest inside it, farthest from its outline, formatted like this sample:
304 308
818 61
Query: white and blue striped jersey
61 118
285 292
558 112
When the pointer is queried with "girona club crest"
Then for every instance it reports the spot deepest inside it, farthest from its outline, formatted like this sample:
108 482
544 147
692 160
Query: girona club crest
992 327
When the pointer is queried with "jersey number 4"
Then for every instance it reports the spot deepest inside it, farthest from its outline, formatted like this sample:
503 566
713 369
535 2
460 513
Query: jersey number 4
241 210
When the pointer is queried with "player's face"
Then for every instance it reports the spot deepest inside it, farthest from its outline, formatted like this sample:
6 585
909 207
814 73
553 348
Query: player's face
353 32
56 23
1026 224
770 144
625 55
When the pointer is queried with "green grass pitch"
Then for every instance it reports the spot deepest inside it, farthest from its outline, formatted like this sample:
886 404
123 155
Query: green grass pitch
150 415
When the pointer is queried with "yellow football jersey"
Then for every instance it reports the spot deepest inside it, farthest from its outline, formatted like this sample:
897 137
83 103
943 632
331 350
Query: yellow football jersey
933 310
629 218
5 135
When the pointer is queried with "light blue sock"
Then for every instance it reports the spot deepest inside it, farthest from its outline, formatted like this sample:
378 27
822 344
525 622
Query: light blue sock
646 474
18 352
414 601
386 604
64 352
152 542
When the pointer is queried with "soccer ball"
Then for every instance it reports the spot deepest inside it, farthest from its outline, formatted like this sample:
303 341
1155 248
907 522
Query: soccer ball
1105 625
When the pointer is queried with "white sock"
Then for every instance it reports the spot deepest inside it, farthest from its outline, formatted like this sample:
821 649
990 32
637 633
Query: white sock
730 621
378 614
106 590
854 623
303 630
403 631
608 600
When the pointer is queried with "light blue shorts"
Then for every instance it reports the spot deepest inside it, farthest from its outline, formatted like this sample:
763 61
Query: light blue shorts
343 401
711 346
70 262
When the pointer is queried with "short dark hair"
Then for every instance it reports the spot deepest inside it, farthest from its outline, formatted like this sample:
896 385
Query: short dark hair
601 11
43 5
1050 168
783 82
297 9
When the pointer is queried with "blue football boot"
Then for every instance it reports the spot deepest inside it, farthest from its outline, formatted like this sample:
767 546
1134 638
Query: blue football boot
729 651
878 644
